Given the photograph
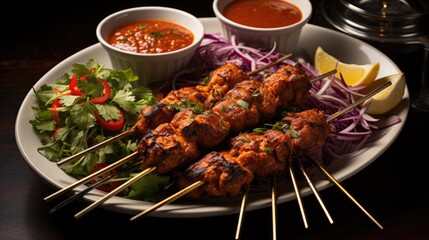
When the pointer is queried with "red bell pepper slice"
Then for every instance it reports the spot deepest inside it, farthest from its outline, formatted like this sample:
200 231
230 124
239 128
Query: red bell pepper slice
74 89
111 125
104 96
56 104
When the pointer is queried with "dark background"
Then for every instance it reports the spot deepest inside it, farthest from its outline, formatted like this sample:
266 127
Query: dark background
36 36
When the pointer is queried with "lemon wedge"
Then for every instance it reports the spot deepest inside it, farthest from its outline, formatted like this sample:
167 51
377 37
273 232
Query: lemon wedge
387 99
353 74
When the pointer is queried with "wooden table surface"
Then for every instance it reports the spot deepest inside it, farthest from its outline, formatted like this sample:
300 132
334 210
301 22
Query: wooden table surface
394 188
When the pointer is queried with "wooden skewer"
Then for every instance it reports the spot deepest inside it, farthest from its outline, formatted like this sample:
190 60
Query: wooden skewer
96 146
242 211
273 187
298 195
270 64
91 176
173 197
274 205
322 76
313 189
80 194
114 192
337 184
359 101
89 188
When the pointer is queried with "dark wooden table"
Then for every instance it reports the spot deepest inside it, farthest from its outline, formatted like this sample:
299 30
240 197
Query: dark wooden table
394 188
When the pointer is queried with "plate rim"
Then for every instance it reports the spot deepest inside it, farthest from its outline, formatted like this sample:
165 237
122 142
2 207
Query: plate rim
129 206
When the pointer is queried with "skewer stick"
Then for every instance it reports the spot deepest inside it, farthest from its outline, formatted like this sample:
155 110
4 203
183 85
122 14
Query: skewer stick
96 146
270 64
88 189
322 76
169 199
91 176
274 205
242 211
298 196
114 192
336 183
313 189
80 194
359 101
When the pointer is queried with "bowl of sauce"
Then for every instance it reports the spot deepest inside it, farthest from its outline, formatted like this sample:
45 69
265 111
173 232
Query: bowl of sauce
155 42
264 24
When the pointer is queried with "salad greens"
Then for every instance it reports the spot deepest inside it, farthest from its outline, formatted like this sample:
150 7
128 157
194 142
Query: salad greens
85 107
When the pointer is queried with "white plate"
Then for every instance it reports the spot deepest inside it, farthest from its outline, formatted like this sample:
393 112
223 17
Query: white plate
339 44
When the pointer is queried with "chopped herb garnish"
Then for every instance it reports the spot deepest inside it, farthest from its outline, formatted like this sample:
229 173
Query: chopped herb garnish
267 149
198 109
243 104
260 130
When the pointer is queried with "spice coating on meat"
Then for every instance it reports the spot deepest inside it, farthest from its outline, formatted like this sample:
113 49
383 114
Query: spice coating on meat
208 129
166 149
222 79
223 176
311 129
238 107
288 86
263 154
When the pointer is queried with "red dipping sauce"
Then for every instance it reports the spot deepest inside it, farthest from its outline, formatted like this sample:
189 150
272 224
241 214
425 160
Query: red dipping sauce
151 36
262 13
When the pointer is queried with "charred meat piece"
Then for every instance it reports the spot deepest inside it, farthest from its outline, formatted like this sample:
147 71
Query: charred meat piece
222 79
196 129
238 107
263 154
208 129
222 174
238 113
166 149
288 86
309 129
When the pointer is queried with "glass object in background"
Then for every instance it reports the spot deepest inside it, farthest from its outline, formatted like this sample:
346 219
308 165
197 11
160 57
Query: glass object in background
386 21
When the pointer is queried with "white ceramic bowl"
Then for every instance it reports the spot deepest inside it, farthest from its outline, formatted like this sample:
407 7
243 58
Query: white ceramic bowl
150 67
285 38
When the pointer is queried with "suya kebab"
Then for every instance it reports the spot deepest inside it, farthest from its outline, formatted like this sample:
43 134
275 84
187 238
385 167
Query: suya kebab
227 173
257 154
178 143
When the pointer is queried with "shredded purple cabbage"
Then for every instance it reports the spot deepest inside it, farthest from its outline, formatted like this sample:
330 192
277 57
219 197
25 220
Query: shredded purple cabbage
350 131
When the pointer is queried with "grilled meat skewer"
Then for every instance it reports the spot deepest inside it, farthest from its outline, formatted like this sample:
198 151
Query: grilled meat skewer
255 154
188 137
222 79
180 141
